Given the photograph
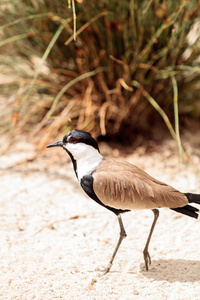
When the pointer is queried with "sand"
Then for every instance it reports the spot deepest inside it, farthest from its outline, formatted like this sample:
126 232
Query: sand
55 240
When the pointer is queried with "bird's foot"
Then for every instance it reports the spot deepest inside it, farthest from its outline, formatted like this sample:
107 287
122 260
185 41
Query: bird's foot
147 259
106 270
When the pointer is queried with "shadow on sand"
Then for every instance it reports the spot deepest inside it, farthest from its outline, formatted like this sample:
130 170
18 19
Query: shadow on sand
173 270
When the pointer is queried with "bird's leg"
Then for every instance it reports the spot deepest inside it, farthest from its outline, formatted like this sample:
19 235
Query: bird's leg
147 257
121 237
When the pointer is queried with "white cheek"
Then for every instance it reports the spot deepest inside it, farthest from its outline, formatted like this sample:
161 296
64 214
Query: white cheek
86 156
69 147
79 150
73 148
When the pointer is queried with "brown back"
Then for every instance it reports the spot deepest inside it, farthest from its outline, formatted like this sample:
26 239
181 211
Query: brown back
122 185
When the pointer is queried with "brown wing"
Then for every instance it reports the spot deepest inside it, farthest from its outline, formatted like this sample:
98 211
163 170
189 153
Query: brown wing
124 186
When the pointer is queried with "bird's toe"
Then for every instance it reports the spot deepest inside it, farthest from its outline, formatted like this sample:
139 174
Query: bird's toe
104 271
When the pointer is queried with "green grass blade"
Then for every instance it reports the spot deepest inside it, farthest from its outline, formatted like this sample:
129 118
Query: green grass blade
157 107
14 38
61 93
44 57
25 19
86 25
170 21
174 134
68 85
176 118
74 18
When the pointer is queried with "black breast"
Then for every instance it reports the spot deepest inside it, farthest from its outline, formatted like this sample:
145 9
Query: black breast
87 185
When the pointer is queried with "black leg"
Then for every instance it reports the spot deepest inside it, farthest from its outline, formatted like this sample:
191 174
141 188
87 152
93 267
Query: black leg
121 237
147 257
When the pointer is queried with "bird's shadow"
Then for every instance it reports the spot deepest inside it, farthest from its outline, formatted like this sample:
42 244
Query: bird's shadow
173 270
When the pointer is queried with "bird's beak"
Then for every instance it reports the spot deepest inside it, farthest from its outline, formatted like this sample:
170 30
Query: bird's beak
56 144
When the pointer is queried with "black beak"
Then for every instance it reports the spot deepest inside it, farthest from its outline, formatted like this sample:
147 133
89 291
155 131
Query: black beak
56 144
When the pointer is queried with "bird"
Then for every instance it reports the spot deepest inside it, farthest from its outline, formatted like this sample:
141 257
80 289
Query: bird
120 186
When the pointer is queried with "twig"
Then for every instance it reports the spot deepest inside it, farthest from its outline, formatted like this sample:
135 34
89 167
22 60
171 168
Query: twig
102 114
51 225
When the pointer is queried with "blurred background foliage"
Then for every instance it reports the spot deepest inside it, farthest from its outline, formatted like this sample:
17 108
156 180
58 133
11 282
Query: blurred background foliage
126 54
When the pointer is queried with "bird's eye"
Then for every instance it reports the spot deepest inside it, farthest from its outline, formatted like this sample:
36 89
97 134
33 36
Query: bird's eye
72 140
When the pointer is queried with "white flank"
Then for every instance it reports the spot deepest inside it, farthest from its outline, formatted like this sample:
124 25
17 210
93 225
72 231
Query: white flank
87 158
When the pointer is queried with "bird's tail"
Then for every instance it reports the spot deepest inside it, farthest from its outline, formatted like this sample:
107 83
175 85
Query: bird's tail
188 209
193 198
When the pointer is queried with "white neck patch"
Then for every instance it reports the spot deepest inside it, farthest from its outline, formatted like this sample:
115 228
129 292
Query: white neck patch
86 156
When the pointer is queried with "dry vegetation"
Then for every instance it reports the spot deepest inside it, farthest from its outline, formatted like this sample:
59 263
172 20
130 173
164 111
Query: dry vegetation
126 53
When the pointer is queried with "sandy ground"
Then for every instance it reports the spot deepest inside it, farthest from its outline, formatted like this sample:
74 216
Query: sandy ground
55 240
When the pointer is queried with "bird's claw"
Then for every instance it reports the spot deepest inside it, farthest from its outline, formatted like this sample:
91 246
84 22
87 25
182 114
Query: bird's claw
147 259
106 270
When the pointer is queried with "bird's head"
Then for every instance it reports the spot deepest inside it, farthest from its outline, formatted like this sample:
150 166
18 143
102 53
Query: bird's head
77 143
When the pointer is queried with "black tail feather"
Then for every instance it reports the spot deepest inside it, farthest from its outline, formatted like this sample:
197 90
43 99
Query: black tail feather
188 209
193 198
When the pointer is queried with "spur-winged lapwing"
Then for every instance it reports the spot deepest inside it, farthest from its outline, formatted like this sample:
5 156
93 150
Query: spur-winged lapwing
120 186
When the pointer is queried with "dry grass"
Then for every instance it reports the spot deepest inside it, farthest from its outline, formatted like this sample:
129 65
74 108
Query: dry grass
98 82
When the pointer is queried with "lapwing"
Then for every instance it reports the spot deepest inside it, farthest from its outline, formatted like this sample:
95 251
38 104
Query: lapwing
120 186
